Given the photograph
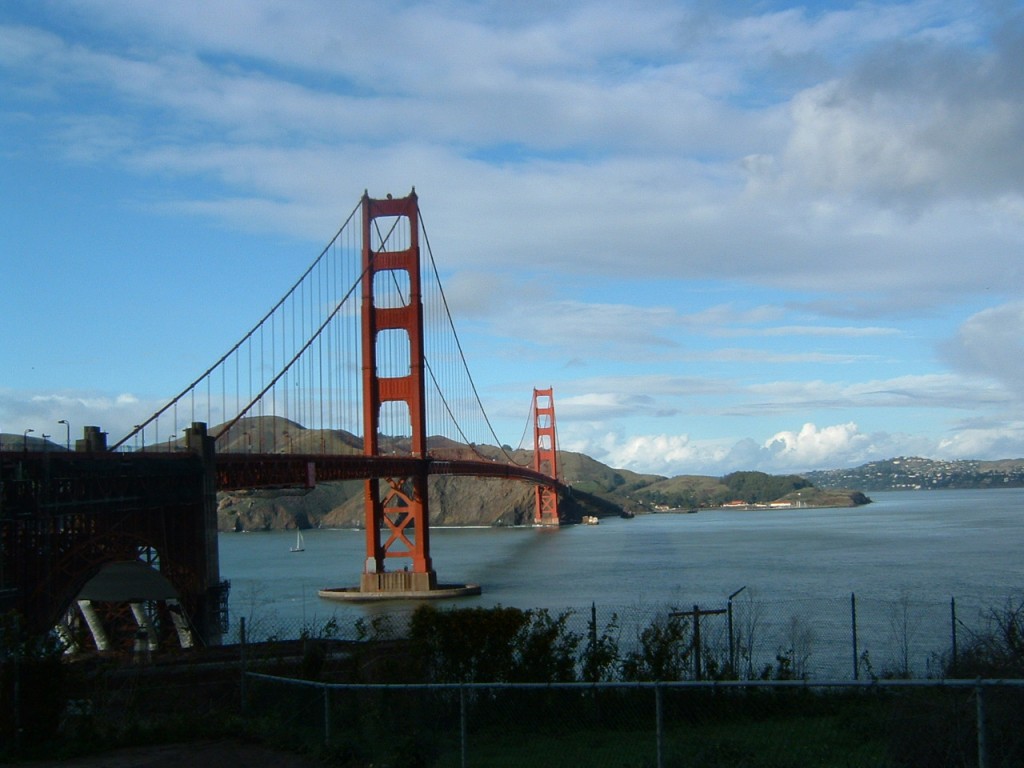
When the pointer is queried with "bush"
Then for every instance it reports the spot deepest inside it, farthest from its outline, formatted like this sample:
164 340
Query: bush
493 645
664 651
33 685
998 650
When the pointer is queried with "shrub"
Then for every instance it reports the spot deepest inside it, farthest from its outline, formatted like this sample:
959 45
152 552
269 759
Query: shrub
33 684
663 652
998 650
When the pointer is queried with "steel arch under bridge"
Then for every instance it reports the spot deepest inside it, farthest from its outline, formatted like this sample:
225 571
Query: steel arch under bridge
67 516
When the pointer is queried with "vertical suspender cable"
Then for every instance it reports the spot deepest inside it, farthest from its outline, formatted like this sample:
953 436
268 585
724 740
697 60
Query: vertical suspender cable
273 367
458 344
321 307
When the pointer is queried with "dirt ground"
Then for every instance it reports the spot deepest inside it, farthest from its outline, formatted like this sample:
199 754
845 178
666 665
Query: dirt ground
201 754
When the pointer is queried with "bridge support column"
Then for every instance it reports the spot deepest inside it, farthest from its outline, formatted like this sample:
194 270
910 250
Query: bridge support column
545 459
180 624
397 509
401 510
92 620
203 444
142 619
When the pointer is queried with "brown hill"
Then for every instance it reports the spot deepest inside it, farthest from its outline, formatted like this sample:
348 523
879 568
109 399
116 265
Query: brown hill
453 500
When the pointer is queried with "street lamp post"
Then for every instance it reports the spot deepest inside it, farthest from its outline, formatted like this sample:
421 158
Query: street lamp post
25 441
67 426
45 443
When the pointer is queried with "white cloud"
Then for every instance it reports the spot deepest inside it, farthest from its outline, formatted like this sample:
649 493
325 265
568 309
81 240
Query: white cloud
814 330
810 446
997 441
792 451
862 161
590 140
41 412
598 407
920 391
991 344
650 454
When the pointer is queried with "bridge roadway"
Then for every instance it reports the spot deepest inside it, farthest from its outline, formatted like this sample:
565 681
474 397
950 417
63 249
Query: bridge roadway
236 471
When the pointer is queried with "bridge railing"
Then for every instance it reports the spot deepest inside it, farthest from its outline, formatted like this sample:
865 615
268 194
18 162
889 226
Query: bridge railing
240 470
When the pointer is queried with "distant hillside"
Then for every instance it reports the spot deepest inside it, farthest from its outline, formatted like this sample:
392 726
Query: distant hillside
912 473
596 489
694 492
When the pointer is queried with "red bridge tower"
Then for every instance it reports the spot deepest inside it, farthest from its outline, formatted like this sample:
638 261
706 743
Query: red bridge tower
403 508
544 455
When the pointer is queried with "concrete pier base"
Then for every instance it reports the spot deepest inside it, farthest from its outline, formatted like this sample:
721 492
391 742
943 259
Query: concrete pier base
398 581
435 592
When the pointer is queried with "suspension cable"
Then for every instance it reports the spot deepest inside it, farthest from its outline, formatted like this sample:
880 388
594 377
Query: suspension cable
296 356
191 387
458 345
530 416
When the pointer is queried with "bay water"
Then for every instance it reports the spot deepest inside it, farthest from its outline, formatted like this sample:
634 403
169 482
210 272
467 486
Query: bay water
905 557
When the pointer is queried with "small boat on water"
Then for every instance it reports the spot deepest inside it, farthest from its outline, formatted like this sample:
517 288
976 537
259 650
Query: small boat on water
591 520
300 545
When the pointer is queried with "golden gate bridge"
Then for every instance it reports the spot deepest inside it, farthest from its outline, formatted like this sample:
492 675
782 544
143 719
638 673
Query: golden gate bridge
359 362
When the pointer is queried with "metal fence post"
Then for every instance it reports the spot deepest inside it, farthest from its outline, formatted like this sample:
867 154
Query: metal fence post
17 683
462 723
327 715
242 659
952 625
982 745
853 632
732 642
697 673
658 733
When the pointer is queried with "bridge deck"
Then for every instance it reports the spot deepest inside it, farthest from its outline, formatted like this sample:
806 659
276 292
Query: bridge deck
277 470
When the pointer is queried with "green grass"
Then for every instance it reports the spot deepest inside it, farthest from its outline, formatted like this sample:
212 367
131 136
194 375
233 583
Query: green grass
827 741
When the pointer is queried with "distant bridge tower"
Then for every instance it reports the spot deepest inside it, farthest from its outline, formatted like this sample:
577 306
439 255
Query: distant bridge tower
544 455
402 511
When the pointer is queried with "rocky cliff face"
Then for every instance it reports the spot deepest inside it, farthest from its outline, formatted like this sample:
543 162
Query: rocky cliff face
283 510
453 501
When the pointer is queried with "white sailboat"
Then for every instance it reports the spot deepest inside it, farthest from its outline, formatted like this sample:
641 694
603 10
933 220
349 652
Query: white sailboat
300 545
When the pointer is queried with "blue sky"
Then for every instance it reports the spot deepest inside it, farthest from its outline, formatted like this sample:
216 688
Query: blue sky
730 235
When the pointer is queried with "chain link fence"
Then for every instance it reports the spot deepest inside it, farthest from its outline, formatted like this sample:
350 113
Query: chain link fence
745 683
846 637
733 723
